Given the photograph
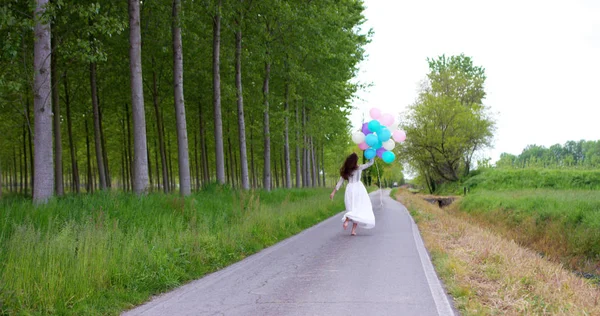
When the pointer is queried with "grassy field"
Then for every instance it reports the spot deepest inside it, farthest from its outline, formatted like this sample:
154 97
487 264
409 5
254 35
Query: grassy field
103 253
487 274
555 212
561 224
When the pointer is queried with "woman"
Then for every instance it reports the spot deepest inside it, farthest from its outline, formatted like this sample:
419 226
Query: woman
358 203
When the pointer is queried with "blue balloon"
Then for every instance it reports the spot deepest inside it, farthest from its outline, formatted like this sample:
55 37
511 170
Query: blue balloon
374 126
388 157
370 153
384 134
371 140
377 145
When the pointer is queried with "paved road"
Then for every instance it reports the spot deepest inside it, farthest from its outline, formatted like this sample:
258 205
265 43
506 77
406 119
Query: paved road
322 271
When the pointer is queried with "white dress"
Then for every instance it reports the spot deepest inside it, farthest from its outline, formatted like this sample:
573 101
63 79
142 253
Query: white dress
358 204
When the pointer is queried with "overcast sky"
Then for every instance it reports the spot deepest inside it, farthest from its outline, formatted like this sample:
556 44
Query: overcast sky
541 58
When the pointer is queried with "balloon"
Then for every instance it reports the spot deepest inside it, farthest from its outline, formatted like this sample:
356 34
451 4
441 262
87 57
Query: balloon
358 137
370 153
386 119
365 129
384 134
388 156
363 146
375 113
389 145
399 136
380 152
374 126
378 145
371 140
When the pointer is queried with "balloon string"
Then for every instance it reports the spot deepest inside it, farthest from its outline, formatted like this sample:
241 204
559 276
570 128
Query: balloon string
379 180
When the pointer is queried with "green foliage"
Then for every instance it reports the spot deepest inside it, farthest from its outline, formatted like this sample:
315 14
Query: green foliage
534 178
581 154
448 123
315 48
100 254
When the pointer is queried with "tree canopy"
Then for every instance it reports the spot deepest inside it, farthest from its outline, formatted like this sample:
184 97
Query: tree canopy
448 123
312 50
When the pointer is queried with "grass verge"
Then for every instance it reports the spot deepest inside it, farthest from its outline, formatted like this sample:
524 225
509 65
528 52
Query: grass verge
487 274
103 253
563 225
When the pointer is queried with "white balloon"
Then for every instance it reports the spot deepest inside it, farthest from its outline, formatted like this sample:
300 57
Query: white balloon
358 137
389 145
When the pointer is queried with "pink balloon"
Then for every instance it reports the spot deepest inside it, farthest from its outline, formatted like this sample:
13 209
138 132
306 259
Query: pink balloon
387 119
399 136
375 113
363 146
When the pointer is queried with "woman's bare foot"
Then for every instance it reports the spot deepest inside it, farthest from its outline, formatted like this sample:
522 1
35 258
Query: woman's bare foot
353 233
345 223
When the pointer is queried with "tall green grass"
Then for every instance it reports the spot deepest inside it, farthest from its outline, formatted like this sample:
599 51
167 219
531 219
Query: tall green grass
102 253
564 224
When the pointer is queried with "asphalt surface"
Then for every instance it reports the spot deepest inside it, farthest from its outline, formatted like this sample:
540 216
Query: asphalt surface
322 271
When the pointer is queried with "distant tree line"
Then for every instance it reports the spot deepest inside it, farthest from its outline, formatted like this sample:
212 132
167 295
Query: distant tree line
580 154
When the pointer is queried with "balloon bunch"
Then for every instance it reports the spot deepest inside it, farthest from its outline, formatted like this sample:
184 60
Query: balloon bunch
376 139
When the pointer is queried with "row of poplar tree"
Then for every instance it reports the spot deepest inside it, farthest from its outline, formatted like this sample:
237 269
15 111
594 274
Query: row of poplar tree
92 93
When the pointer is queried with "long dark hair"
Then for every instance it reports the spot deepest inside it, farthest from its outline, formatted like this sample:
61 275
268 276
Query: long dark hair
349 166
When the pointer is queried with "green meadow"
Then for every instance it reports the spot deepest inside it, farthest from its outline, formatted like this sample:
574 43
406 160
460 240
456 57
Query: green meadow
106 252
555 212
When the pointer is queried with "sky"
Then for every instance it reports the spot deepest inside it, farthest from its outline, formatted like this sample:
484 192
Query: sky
541 59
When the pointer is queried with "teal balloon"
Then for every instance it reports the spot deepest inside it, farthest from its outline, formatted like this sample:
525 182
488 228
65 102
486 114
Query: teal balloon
370 153
388 157
374 126
377 145
371 140
384 134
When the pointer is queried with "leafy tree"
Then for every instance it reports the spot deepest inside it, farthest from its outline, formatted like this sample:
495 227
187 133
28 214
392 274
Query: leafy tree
448 123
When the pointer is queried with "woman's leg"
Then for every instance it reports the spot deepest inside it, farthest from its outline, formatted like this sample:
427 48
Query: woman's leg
346 223
353 233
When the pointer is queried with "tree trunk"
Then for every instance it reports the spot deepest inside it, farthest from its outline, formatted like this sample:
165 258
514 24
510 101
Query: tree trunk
196 164
150 182
323 164
254 184
43 182
314 163
171 181
160 132
123 164
204 154
97 138
266 133
182 138
129 147
30 142
90 185
104 151
72 150
219 152
298 171
283 175
157 166
140 165
24 173
231 160
276 174
240 104
58 163
15 184
286 141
